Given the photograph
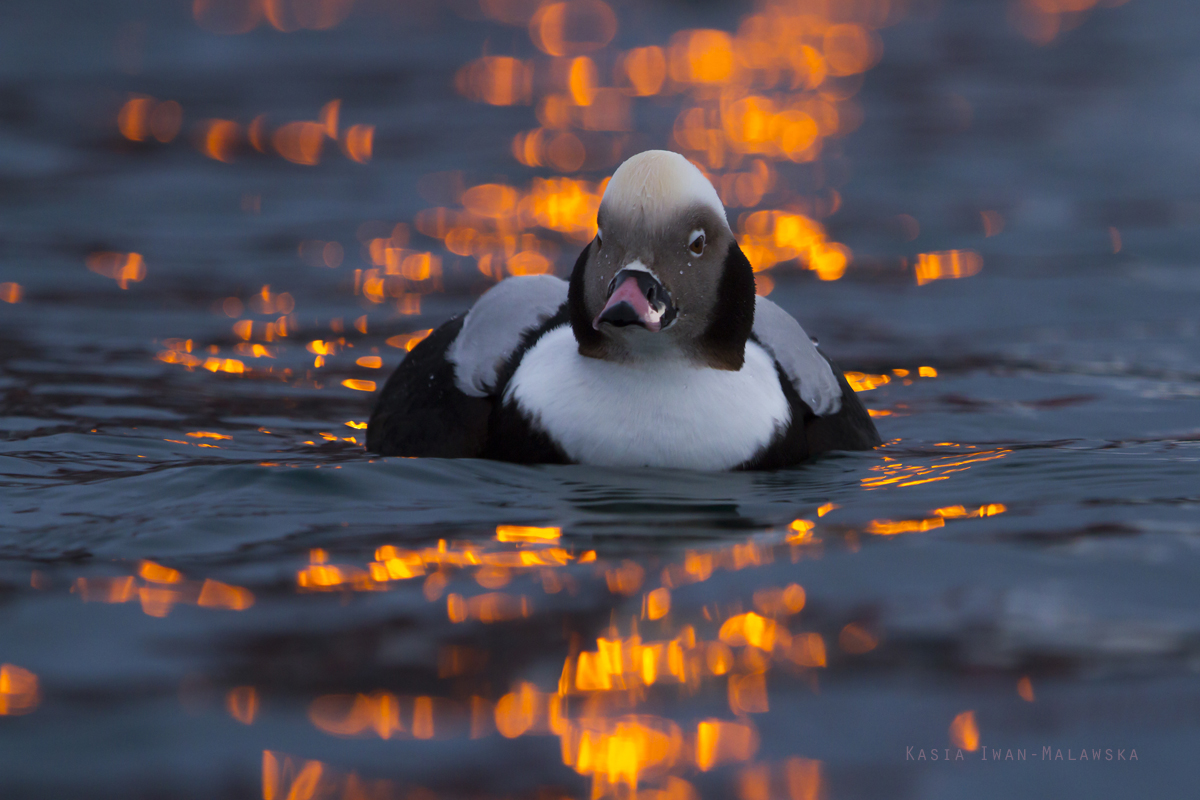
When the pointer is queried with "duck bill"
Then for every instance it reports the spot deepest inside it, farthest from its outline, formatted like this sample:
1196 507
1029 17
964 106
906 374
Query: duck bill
637 299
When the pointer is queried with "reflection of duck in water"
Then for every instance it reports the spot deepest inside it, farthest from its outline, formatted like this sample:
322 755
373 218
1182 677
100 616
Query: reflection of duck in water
657 353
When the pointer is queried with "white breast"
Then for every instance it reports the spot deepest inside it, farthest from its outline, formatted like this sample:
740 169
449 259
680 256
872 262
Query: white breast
658 413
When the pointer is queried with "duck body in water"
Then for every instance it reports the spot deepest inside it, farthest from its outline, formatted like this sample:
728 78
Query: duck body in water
656 353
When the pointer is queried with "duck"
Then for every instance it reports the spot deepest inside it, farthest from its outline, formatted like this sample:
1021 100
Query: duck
657 352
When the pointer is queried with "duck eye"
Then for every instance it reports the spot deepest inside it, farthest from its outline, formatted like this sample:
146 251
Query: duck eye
696 242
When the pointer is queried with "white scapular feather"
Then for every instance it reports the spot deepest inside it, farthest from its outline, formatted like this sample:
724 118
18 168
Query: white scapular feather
494 327
806 368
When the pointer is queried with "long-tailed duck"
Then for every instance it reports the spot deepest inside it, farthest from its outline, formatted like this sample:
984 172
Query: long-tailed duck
657 353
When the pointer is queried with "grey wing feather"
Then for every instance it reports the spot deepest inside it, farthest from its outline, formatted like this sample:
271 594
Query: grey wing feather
494 327
815 381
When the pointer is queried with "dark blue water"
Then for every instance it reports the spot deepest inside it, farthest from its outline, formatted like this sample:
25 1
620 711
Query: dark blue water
195 616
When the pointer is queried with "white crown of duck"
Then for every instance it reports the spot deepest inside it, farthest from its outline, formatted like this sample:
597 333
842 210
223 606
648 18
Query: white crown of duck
664 276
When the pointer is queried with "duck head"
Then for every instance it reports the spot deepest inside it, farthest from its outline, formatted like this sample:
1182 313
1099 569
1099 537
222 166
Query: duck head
664 277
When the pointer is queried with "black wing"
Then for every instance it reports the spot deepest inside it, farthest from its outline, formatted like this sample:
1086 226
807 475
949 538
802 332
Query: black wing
421 412
808 435
851 428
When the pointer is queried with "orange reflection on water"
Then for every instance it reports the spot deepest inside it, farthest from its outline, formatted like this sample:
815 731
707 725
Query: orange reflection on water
19 692
781 602
658 603
964 732
124 268
801 531
359 143
143 116
496 80
772 237
940 468
862 382
887 527
11 292
594 710
231 365
328 117
769 237
214 594
352 715
157 573
646 69
133 120
625 579
397 564
244 328
803 776
581 81
156 601
160 589
253 350
718 742
493 225
961 512
524 533
573 28
487 608
219 139
949 264
242 704
300 142
301 784
522 711
808 650
105 590
620 752
407 341
701 56
756 630
490 200
322 347
401 274
207 435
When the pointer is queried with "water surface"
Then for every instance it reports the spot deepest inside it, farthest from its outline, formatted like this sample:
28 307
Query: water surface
219 593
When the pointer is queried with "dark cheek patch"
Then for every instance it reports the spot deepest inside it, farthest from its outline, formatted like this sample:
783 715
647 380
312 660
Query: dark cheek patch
723 343
591 341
